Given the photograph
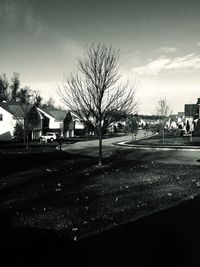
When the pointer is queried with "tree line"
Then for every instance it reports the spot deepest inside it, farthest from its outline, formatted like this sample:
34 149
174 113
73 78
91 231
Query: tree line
12 91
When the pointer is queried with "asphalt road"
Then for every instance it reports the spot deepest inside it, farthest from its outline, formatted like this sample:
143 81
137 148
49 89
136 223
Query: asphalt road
90 148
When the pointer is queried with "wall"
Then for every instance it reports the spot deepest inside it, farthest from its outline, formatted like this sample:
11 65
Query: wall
6 125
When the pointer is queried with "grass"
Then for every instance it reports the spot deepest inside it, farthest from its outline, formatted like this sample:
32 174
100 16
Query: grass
168 141
55 206
72 195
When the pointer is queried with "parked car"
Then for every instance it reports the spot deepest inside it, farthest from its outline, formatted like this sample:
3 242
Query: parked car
48 137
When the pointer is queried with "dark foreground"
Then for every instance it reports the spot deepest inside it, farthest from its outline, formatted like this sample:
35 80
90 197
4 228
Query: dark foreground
35 237
170 237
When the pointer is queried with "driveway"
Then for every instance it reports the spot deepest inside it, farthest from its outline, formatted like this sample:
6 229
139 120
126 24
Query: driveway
90 148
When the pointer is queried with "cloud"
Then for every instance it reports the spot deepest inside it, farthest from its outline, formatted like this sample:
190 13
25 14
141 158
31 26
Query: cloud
72 47
178 64
167 49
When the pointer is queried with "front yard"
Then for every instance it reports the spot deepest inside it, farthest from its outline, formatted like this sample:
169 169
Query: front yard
50 195
169 140
75 197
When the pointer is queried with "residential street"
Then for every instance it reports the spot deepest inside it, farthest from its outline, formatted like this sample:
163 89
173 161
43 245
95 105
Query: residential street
90 148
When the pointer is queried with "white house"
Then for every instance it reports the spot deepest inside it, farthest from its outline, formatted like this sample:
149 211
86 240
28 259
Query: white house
172 122
50 120
11 113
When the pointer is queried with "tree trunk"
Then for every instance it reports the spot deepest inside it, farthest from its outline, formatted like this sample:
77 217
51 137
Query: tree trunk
163 133
26 141
87 132
100 144
24 137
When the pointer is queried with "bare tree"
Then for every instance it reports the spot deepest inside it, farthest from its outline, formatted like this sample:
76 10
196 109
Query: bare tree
49 103
95 94
23 126
133 125
11 91
4 87
24 95
37 99
163 110
15 86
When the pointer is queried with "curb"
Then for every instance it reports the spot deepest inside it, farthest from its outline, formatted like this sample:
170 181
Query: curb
167 148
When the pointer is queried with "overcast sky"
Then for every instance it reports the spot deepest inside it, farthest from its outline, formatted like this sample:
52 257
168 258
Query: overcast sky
159 43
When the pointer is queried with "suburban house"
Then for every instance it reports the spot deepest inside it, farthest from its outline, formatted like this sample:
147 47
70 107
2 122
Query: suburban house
11 113
148 121
142 123
42 120
171 122
176 121
181 120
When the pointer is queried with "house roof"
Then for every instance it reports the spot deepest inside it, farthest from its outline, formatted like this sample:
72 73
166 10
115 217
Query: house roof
181 114
58 114
190 110
16 109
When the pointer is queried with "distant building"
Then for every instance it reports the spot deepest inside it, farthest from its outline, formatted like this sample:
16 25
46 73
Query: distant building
171 122
181 120
176 121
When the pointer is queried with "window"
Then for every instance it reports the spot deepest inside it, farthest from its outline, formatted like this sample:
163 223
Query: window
1 117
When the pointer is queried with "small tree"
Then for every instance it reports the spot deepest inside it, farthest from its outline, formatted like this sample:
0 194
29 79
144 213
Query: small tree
187 126
146 128
95 94
163 111
23 126
133 125
19 132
